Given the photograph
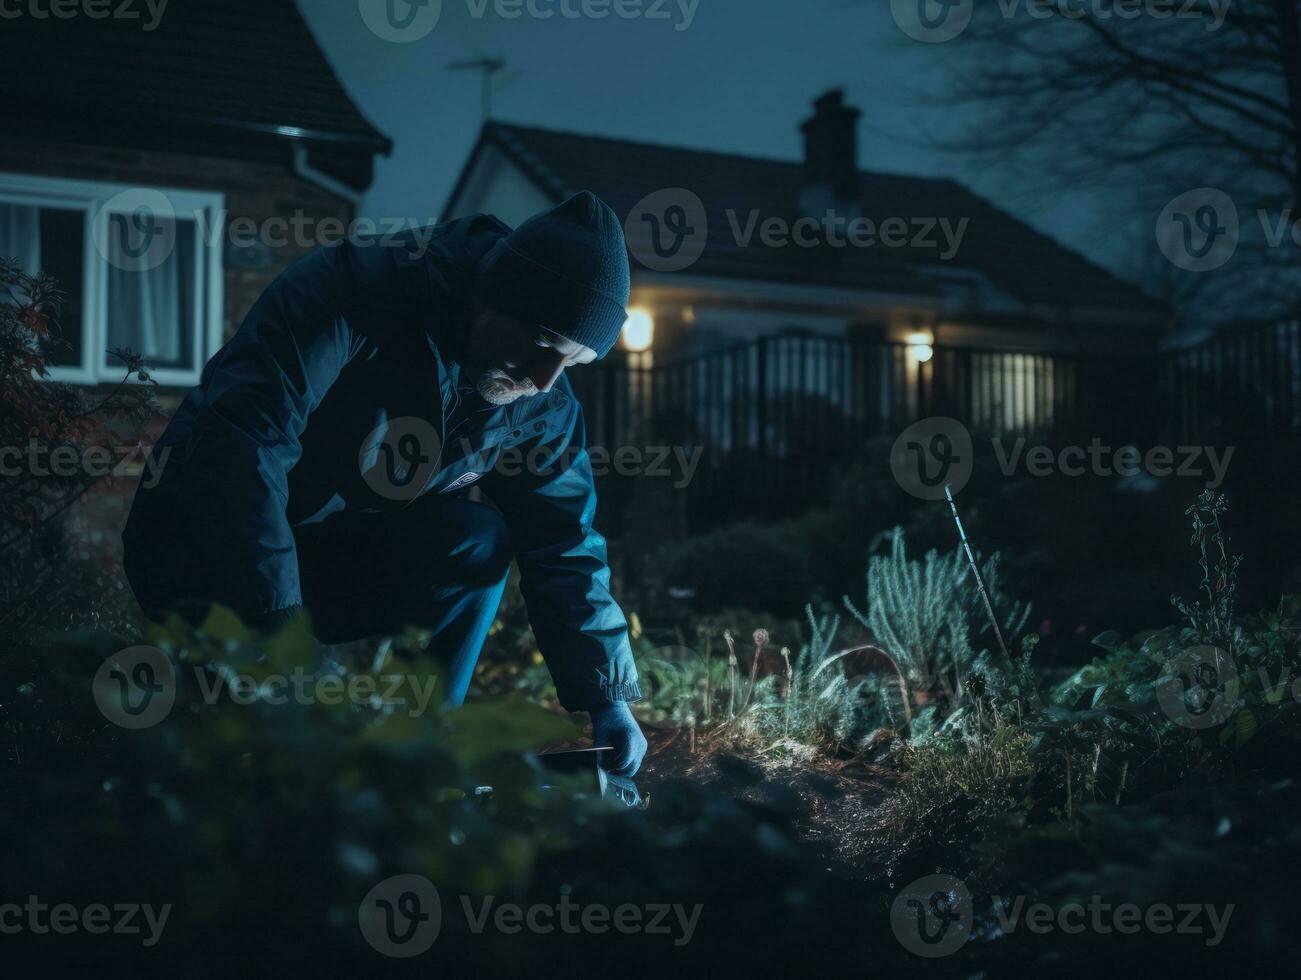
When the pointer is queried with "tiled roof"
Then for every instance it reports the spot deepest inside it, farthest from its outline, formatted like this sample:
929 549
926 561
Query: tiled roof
1012 256
251 65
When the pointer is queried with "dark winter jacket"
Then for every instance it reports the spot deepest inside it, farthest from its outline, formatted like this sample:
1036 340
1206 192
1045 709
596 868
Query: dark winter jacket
291 415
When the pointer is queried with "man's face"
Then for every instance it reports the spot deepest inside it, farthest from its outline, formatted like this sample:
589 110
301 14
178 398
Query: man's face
508 358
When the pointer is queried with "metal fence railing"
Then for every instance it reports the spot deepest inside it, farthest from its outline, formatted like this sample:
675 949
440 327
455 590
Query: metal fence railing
773 415
1238 384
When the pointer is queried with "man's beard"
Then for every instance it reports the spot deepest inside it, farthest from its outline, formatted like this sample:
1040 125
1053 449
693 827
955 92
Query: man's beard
496 387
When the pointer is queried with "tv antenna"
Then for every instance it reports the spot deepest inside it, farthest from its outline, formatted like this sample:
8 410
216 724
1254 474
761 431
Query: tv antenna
487 67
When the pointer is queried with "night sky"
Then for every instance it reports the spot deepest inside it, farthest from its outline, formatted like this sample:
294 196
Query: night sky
738 78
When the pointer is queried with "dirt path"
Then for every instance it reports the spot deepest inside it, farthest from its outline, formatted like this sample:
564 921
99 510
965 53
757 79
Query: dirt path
834 802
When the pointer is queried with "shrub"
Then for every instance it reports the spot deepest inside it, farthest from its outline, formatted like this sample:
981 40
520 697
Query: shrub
255 816
921 616
924 615
40 417
747 565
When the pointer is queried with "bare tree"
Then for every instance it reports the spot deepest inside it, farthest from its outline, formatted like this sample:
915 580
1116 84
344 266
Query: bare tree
1152 99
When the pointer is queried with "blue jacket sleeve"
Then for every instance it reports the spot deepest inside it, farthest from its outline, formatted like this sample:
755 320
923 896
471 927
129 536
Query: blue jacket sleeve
237 437
549 504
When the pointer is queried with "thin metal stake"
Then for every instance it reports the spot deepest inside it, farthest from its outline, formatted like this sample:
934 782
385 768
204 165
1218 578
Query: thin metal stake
975 570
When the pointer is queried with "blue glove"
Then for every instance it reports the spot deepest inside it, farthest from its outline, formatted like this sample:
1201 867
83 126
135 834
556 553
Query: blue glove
614 725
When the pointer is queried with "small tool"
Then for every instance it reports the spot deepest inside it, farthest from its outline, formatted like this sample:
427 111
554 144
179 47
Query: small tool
587 762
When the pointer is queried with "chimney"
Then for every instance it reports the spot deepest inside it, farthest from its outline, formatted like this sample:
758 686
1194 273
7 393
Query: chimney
830 156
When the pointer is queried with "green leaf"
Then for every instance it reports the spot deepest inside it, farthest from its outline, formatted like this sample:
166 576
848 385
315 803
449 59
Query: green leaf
1241 727
1108 640
512 725
292 647
224 624
396 728
173 634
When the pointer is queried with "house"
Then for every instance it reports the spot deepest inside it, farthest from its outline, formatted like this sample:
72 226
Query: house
134 151
164 173
821 248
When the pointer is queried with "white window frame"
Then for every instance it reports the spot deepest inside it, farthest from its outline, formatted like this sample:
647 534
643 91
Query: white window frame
207 209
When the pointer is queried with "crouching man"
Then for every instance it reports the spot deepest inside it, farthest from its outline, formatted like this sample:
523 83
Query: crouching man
325 458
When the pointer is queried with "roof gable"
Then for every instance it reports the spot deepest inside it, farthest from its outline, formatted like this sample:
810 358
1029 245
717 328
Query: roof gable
1010 254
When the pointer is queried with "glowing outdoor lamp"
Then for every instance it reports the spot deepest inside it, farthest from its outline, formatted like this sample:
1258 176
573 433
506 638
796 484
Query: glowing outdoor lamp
919 346
638 330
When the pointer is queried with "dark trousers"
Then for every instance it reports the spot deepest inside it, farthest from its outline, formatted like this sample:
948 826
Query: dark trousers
440 564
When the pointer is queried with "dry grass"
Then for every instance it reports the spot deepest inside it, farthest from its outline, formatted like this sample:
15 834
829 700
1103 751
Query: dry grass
945 782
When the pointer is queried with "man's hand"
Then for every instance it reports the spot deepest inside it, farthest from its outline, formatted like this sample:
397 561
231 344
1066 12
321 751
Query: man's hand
614 725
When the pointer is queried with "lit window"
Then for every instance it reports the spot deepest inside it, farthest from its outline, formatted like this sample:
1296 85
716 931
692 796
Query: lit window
140 268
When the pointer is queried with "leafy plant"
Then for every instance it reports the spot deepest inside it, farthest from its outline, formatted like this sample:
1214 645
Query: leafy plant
1213 622
49 422
814 703
924 615
745 564
254 811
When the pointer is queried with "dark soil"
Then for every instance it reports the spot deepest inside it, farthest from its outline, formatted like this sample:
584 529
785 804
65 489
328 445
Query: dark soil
834 802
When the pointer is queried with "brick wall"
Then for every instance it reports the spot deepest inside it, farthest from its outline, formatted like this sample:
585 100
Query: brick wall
256 191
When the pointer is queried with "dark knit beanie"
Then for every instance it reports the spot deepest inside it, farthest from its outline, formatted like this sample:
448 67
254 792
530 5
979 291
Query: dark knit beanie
565 269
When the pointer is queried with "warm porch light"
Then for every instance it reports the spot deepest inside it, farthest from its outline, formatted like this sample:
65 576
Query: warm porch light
638 330
919 346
